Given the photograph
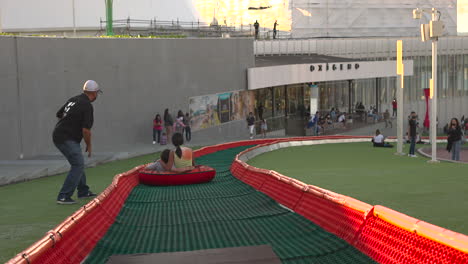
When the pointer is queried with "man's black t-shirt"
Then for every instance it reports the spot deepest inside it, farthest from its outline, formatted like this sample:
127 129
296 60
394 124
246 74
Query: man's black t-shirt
250 121
75 114
412 125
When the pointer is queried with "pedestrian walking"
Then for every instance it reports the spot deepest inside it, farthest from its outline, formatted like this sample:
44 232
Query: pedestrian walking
251 124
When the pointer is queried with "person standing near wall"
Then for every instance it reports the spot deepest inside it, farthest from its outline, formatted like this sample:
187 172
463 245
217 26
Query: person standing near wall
394 107
75 123
188 131
386 116
454 139
412 124
157 128
274 29
256 26
251 124
168 123
179 123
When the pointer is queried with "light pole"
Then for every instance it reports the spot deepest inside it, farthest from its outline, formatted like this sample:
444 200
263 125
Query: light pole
432 31
109 29
399 94
74 18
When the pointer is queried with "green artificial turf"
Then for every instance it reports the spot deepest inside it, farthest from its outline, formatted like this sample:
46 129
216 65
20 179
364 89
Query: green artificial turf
29 209
222 213
435 193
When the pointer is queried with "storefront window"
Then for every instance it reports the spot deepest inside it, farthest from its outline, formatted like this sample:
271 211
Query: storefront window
279 101
265 100
465 74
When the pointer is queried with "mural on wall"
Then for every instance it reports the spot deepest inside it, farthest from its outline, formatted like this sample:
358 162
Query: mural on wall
247 99
204 111
224 108
212 110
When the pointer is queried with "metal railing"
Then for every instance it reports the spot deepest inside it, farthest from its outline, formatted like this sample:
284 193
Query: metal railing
132 26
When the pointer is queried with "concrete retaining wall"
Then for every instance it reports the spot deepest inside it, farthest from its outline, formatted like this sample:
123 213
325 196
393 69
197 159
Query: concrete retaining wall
139 77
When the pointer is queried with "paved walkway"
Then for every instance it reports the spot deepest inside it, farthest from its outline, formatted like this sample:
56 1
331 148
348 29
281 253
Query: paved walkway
443 154
13 171
370 130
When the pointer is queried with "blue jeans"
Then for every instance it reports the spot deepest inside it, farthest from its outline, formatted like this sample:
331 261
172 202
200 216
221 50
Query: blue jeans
156 132
76 178
456 146
412 145
188 133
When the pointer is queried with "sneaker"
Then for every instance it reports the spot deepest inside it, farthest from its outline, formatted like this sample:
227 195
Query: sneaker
414 156
154 142
66 201
89 194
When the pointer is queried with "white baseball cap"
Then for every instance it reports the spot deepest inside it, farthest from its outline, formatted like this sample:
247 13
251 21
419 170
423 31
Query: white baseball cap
91 86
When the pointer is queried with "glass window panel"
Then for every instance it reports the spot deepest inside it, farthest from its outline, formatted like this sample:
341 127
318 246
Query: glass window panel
465 73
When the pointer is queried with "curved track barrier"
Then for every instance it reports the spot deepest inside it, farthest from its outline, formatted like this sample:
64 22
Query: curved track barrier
73 239
381 233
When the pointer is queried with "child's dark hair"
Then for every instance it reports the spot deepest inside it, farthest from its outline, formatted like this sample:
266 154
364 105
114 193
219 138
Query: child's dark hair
177 141
165 155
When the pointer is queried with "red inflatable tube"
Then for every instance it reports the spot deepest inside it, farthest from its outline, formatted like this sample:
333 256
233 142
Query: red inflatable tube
200 174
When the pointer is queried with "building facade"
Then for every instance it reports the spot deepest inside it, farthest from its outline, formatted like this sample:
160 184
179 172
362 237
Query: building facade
452 73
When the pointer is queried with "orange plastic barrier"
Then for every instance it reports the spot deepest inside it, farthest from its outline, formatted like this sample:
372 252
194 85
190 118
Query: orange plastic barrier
383 234
73 239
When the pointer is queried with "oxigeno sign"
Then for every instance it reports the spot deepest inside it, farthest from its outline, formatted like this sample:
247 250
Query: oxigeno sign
334 67
271 76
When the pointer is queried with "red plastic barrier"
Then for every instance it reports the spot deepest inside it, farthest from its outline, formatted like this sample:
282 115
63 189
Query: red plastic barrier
73 239
282 190
381 233
385 235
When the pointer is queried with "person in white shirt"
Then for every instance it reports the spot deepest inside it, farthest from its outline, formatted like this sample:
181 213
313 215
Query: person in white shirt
379 140
341 118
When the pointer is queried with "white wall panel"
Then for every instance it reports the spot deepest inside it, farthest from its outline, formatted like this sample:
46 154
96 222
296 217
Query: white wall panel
262 77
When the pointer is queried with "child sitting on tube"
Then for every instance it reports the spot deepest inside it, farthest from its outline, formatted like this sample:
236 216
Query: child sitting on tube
162 165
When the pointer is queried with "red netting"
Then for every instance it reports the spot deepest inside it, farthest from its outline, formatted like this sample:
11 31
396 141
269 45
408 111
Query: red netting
333 217
381 240
80 239
254 179
284 193
387 243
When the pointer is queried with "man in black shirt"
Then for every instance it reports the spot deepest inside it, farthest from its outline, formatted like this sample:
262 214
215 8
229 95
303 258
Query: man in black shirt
412 124
75 123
